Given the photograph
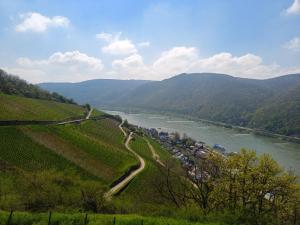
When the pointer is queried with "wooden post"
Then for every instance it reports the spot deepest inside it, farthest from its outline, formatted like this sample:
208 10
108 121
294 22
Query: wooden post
142 223
9 218
114 220
49 220
85 219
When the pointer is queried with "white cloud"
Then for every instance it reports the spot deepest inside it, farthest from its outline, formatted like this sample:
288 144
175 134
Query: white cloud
120 47
294 9
293 44
75 66
132 67
187 60
36 22
68 66
116 45
144 44
176 60
249 65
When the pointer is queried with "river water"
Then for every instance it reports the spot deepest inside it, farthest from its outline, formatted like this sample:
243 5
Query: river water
286 153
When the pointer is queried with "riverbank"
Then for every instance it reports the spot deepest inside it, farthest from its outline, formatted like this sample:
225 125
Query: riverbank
260 132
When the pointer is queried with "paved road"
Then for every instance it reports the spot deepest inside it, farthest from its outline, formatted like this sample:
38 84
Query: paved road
124 182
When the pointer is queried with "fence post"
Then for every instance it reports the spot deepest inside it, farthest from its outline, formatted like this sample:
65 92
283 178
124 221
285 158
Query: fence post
85 219
114 220
142 223
9 218
49 220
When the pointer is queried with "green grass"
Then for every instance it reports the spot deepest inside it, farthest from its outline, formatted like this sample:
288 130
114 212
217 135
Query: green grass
24 218
20 108
163 153
96 113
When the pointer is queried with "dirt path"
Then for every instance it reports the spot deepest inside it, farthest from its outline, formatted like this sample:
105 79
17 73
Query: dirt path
78 120
124 182
155 156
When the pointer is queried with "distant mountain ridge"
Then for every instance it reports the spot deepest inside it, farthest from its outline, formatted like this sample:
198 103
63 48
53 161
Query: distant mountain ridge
271 104
99 92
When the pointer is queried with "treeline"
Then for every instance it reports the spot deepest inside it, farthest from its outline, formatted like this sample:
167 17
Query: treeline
239 189
13 85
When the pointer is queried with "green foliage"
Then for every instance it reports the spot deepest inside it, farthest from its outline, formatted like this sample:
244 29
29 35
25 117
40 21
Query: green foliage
241 188
12 85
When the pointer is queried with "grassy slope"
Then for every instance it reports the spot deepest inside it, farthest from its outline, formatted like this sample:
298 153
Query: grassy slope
21 108
23 218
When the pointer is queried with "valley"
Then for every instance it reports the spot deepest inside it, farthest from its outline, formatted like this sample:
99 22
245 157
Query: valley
286 153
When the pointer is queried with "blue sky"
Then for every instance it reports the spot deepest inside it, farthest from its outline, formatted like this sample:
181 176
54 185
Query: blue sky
79 40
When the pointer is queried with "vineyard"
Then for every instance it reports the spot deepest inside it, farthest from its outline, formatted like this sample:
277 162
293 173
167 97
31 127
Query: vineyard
95 147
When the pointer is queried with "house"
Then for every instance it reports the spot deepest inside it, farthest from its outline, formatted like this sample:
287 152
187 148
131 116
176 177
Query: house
163 136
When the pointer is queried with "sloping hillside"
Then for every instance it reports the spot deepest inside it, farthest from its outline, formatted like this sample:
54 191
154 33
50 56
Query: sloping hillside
22 101
15 107
45 167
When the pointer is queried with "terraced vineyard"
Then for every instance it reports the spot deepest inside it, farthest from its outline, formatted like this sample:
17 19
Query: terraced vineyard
20 108
95 147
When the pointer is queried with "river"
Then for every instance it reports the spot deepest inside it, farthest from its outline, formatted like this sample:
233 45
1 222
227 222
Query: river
286 153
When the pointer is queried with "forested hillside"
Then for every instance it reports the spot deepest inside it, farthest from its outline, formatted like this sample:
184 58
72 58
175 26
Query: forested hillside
271 104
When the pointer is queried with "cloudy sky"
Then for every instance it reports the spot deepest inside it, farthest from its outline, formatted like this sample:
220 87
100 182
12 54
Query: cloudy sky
70 41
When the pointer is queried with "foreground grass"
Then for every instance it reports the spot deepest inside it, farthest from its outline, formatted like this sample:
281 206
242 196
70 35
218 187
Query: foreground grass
20 108
24 218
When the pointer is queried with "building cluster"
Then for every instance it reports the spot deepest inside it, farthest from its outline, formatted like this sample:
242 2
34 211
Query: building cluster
189 152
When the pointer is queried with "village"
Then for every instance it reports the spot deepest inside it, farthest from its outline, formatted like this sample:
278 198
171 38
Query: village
189 152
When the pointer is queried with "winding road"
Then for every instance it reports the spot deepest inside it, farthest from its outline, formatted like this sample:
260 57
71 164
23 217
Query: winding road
114 190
